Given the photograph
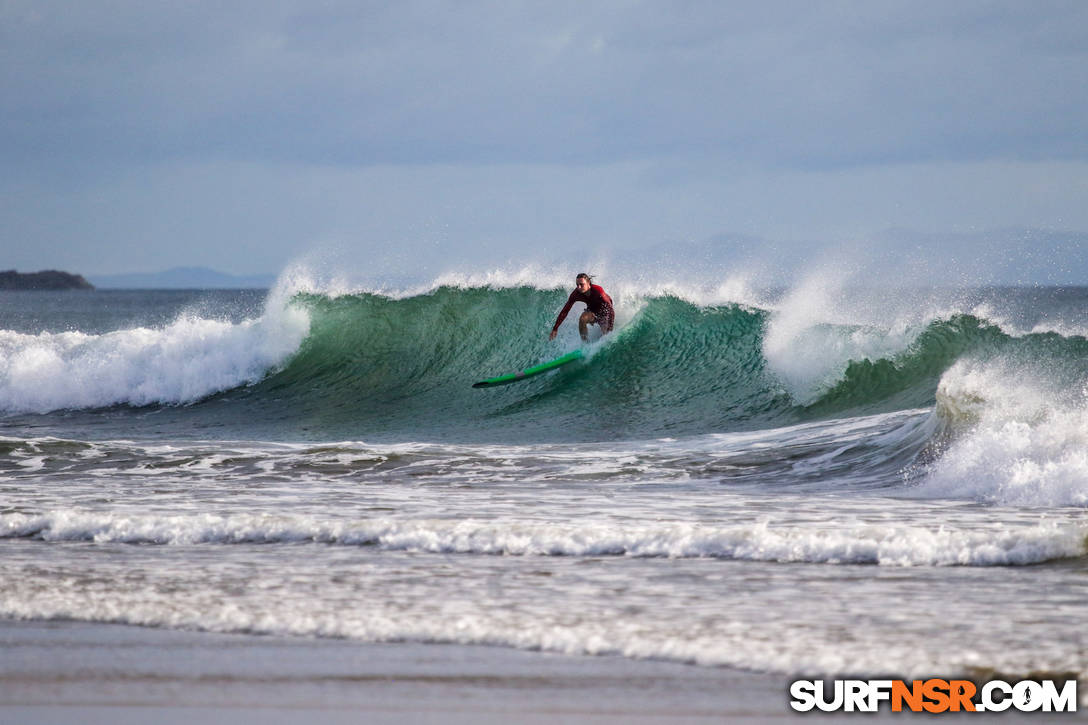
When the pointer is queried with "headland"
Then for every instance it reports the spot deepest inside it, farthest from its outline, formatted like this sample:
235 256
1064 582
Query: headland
49 279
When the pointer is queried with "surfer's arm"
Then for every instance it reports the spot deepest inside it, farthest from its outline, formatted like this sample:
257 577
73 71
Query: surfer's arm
563 314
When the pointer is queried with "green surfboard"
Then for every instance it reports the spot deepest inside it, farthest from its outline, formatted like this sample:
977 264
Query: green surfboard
530 372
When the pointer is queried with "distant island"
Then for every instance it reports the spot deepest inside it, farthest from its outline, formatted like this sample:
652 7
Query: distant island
49 279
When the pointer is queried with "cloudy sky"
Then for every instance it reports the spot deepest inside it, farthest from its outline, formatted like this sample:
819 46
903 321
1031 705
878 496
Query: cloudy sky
138 136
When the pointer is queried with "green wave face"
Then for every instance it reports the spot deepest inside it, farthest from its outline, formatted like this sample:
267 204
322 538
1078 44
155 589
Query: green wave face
910 379
375 367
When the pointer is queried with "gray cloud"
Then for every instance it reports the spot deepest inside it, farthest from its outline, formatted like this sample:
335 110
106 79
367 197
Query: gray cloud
790 84
141 135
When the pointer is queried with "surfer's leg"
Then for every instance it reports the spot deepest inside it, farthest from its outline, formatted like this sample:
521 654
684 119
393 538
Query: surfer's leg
587 318
605 322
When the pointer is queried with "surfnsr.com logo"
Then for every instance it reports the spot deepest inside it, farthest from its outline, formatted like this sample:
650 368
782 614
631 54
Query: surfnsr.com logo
933 695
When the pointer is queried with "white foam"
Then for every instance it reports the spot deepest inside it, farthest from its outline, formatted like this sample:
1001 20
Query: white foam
885 545
806 644
1017 437
179 363
1059 327
707 613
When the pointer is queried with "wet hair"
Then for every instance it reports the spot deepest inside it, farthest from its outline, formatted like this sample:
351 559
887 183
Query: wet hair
587 277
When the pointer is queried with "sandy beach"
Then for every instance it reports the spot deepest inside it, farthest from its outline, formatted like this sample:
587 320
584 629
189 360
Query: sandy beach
64 672
73 672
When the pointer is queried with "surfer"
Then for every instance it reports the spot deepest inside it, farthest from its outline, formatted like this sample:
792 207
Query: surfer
598 308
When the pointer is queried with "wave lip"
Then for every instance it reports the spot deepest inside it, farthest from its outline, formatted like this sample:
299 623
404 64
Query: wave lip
862 544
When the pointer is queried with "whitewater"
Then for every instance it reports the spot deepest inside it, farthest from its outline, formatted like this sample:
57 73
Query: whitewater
819 477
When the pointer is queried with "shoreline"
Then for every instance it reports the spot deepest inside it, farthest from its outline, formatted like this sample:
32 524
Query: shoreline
66 671
93 673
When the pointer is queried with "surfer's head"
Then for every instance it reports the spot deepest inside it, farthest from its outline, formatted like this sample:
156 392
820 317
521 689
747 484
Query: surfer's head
582 282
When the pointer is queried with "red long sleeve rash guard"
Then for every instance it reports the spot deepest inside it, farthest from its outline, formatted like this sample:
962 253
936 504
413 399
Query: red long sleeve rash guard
597 301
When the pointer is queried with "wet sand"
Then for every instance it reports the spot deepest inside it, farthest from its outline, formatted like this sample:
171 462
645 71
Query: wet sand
65 672
73 672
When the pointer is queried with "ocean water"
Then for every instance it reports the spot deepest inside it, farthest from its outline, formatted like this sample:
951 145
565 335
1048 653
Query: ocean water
811 479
